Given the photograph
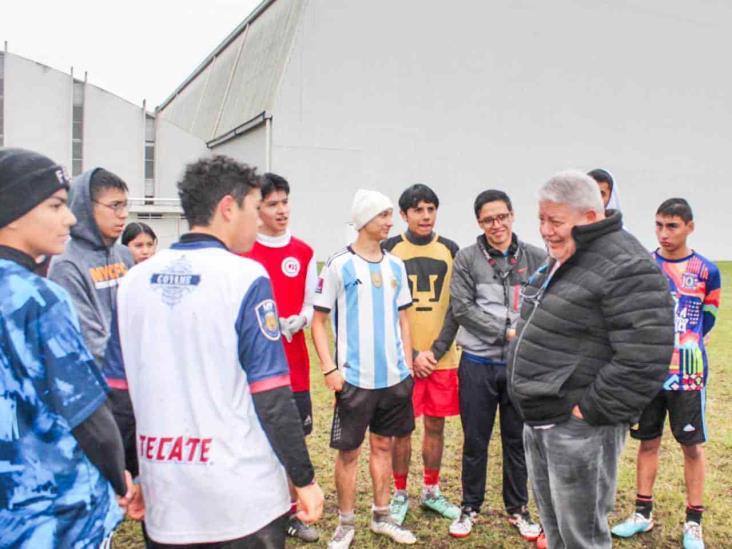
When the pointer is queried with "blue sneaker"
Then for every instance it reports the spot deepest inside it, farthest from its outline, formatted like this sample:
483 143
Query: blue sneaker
693 536
399 507
635 524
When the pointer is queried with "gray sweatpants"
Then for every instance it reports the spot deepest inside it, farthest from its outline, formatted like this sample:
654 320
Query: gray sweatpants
573 470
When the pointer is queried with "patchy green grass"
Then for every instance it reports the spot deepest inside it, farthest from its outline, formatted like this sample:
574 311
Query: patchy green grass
492 529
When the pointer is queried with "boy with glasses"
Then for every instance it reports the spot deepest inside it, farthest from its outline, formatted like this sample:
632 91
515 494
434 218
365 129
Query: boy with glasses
484 300
90 269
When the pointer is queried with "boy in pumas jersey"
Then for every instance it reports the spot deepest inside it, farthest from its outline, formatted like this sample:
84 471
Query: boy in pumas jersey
217 445
695 285
428 259
367 291
292 269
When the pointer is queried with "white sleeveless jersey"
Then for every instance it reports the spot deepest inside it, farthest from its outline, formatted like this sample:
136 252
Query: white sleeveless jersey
199 334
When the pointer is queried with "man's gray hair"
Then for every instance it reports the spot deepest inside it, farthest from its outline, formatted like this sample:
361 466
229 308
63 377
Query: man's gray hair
573 188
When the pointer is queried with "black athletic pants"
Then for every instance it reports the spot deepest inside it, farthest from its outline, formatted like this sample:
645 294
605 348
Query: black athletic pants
483 391
271 536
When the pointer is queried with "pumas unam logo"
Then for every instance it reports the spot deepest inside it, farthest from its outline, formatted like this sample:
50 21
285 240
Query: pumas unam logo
268 320
426 281
177 281
291 267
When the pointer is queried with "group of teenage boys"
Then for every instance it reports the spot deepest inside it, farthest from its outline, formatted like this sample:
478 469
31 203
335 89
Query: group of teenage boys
221 395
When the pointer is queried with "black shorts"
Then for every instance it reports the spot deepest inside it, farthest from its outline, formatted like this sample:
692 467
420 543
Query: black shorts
387 412
686 415
305 407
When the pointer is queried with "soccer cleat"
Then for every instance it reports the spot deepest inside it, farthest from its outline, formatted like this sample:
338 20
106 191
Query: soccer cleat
541 542
463 525
304 532
394 531
435 501
635 524
398 507
342 537
528 529
693 538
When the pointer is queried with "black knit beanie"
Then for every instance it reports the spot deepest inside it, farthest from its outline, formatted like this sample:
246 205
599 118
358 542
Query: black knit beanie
26 179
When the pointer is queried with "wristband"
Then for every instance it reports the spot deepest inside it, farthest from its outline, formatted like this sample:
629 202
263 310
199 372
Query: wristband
330 371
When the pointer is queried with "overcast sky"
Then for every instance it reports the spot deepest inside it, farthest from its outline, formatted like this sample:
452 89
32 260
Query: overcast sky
135 49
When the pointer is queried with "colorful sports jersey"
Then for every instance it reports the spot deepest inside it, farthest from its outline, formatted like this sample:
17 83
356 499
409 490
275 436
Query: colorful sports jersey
293 272
51 495
696 288
429 269
366 298
196 335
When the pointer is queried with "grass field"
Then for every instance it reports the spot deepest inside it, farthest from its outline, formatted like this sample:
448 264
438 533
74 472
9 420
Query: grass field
492 530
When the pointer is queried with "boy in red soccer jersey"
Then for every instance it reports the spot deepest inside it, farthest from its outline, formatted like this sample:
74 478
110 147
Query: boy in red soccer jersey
293 272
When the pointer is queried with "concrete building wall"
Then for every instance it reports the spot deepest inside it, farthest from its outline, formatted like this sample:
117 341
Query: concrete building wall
114 137
174 149
38 108
503 94
250 147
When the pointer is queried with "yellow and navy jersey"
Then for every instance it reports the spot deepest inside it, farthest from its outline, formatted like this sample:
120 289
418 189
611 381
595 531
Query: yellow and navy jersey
429 263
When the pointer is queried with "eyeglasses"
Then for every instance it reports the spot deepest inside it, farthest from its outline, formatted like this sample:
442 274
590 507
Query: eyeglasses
116 207
491 219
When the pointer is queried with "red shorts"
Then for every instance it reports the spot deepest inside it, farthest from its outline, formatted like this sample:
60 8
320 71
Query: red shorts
437 395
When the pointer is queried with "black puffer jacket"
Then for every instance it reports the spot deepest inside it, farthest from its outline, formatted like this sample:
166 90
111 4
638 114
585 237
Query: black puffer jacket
600 334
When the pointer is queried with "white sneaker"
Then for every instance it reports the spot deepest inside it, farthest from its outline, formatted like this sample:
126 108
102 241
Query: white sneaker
693 538
342 537
392 530
528 529
463 525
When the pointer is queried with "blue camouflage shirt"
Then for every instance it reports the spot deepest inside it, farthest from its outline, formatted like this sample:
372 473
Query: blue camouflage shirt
51 495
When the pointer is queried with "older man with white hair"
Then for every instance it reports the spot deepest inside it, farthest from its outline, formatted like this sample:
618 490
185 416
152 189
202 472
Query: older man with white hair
594 341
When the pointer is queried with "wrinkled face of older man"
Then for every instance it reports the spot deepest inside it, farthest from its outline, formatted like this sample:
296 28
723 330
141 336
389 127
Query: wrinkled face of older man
556 221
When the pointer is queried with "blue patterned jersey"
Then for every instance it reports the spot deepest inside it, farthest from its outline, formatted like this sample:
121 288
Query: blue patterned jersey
51 495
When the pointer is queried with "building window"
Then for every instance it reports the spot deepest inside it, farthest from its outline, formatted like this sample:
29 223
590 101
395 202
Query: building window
77 130
149 156
2 99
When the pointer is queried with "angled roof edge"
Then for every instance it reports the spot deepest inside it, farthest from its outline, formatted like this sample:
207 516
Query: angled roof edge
261 8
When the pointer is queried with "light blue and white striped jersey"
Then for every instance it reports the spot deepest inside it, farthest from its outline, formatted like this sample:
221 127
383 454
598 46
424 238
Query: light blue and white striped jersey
365 299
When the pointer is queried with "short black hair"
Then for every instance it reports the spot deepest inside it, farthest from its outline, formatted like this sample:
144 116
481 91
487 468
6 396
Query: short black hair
102 180
415 194
272 182
490 195
676 207
208 180
602 176
133 230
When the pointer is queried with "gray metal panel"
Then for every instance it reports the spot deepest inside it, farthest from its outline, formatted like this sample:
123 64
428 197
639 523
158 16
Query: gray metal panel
261 63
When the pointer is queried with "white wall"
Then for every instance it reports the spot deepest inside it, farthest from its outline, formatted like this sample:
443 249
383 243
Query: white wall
250 147
471 95
174 149
38 109
114 136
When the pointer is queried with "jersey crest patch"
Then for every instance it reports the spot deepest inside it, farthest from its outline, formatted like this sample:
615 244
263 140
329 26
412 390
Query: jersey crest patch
176 282
269 323
291 266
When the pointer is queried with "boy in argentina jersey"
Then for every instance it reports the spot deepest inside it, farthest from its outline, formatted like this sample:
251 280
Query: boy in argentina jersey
61 455
367 292
695 285
291 267
217 444
429 260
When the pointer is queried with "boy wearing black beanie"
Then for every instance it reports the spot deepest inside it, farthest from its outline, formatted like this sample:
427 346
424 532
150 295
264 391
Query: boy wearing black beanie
61 448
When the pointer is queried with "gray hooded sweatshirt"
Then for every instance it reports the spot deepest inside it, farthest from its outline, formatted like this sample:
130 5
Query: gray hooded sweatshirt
90 270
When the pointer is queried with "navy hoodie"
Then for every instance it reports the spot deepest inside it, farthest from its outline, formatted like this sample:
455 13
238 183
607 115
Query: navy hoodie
90 270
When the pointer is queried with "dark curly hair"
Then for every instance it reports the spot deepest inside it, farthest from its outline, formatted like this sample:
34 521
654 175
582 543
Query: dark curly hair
208 180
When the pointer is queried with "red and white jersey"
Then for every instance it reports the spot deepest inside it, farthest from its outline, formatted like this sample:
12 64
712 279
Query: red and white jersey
196 334
292 269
